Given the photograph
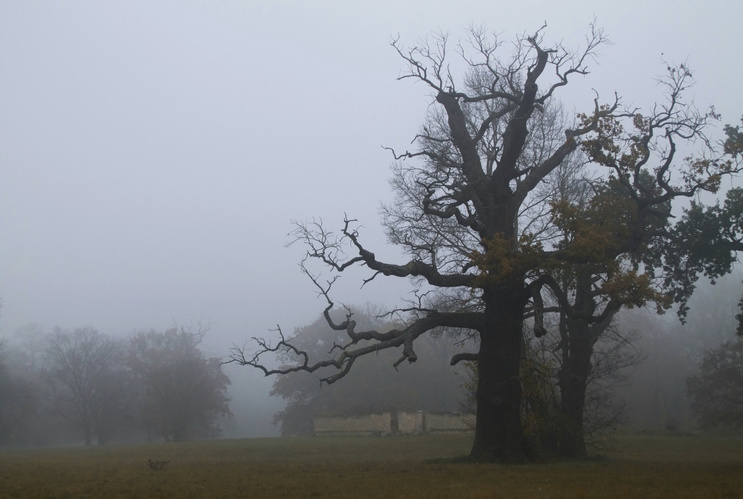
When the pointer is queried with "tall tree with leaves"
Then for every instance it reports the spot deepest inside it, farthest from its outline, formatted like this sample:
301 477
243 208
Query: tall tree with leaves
626 220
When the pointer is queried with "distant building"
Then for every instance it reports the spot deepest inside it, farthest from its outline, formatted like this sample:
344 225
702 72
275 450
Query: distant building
394 423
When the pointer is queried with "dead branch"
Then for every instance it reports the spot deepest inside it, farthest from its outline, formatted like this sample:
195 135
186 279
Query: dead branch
359 344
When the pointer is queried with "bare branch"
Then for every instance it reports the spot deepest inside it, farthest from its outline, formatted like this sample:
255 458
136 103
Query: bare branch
359 344
463 357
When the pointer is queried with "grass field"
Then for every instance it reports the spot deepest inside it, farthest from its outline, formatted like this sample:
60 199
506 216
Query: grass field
641 466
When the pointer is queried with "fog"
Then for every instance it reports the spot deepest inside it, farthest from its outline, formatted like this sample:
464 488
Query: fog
154 154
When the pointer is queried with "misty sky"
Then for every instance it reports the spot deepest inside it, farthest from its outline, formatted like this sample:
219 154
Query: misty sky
153 153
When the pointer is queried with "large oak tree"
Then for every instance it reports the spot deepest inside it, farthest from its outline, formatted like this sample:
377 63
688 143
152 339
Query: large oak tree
481 157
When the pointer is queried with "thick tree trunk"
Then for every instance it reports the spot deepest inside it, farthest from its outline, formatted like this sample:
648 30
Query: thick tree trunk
573 380
498 432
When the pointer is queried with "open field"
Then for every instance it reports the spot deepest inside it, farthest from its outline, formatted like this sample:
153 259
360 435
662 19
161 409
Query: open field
641 466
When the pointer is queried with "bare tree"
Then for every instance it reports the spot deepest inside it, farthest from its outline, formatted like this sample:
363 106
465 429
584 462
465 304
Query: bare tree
86 370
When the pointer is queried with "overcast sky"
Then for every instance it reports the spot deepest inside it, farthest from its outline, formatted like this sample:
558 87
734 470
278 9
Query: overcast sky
153 153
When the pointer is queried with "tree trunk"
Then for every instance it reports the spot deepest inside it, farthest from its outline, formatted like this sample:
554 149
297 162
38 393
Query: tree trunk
573 381
498 431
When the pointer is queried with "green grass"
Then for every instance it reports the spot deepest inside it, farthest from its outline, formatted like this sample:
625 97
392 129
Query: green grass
641 466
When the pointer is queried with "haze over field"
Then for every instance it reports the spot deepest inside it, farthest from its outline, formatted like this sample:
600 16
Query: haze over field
153 154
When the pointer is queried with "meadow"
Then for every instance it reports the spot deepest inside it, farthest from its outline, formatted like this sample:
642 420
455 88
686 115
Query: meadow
641 465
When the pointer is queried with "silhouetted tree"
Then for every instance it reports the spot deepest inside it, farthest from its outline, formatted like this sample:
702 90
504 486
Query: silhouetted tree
472 176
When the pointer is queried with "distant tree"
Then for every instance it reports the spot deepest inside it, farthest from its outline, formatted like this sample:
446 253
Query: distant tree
25 362
373 386
182 392
656 393
87 375
18 403
717 390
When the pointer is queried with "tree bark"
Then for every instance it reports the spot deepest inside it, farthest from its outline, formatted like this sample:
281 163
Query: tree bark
498 432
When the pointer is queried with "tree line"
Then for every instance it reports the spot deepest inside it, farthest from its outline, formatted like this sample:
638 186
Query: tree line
83 385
